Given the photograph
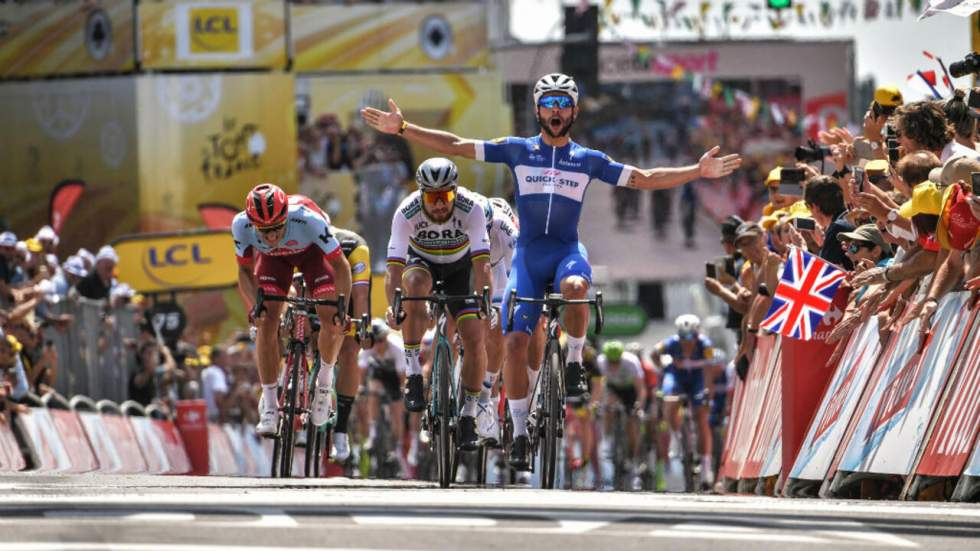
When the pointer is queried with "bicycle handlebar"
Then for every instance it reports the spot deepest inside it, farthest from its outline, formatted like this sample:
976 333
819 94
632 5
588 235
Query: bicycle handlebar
341 304
555 300
441 299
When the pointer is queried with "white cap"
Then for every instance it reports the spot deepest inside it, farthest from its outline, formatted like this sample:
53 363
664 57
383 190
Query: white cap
122 290
8 239
47 233
75 266
107 253
51 259
22 248
86 255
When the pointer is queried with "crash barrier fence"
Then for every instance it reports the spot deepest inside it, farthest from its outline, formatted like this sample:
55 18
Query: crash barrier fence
897 416
84 436
95 352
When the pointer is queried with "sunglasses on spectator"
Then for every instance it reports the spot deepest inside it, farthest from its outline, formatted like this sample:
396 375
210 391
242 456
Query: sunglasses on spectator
551 102
445 195
858 245
270 229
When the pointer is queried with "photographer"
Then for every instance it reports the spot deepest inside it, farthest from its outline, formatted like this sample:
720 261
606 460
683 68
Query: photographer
825 199
725 286
756 295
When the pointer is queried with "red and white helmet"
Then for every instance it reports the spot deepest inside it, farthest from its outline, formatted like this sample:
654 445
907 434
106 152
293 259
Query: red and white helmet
266 205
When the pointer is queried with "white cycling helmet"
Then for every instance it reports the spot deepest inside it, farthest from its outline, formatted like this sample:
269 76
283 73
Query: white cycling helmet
556 82
687 324
436 174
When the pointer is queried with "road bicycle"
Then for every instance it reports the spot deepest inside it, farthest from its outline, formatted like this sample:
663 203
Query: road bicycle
441 416
546 422
297 383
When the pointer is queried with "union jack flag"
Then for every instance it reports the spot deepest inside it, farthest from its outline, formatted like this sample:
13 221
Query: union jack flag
804 294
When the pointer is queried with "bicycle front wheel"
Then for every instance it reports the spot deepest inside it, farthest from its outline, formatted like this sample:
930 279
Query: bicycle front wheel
446 449
551 415
287 432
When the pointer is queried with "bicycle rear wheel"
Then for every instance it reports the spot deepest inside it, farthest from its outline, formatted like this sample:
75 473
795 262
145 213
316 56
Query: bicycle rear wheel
551 415
287 432
445 451
692 481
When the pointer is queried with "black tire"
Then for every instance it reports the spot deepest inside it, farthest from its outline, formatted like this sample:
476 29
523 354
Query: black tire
287 434
551 416
445 451
619 453
482 455
276 454
692 481
310 450
509 475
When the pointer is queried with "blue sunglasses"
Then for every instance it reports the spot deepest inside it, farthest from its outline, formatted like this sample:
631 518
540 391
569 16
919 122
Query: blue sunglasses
561 102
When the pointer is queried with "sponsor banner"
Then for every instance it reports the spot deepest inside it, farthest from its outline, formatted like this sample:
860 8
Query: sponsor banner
44 38
124 438
973 465
213 34
102 444
893 424
77 445
957 424
150 444
469 105
246 463
42 438
728 469
839 403
10 457
765 431
192 423
154 263
221 459
751 405
209 138
173 445
260 450
391 36
70 130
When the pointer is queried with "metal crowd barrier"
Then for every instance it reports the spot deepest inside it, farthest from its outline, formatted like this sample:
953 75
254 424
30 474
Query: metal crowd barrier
93 358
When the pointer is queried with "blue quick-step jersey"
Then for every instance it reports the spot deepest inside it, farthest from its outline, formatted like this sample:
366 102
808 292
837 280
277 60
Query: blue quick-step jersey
551 182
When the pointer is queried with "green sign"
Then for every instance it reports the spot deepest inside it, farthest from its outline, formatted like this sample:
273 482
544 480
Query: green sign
621 320
779 4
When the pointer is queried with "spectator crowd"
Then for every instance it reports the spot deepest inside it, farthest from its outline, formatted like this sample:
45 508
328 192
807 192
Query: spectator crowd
898 215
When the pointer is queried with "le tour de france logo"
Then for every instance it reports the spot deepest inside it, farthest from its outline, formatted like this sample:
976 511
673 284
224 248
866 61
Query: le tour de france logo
236 148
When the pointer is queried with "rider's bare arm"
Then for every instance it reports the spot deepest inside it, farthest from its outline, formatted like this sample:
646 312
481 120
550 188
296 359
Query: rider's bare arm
247 286
341 273
392 122
709 166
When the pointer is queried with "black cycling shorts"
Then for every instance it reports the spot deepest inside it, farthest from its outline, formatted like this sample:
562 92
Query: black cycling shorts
455 278
625 395
389 380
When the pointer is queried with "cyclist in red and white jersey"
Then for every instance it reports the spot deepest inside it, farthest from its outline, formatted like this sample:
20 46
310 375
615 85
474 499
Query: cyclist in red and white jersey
273 237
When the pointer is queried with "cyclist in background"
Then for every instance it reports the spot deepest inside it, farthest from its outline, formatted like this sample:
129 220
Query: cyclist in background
439 233
384 364
623 383
580 419
690 353
272 239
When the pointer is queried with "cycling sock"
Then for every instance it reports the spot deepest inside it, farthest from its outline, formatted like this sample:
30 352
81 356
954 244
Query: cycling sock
269 397
518 411
325 377
706 464
412 358
488 381
575 346
344 405
470 400
532 379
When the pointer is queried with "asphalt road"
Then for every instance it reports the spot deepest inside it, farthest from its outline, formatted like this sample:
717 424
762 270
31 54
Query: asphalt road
95 512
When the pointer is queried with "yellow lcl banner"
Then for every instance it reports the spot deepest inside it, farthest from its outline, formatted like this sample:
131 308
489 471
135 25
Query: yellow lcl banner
183 261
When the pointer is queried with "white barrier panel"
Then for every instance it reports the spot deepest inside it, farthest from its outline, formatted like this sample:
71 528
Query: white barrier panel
221 457
10 457
80 452
105 449
246 464
123 437
42 436
173 445
973 465
894 423
150 445
260 450
838 405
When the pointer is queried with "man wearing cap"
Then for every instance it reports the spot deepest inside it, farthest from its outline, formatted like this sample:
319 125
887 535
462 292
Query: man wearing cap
72 272
48 240
96 285
866 247
8 266
760 282
886 100
725 287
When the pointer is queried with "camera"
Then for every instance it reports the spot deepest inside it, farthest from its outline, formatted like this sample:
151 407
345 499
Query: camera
811 152
969 65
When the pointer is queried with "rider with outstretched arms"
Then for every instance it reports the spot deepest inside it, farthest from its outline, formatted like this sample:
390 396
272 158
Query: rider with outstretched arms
439 233
273 237
690 354
551 174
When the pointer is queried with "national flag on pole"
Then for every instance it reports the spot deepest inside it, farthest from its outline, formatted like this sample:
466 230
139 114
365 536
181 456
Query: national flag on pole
804 295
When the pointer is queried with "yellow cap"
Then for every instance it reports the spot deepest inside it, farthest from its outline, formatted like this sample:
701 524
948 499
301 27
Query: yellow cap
879 166
770 220
33 245
774 176
926 199
14 343
888 96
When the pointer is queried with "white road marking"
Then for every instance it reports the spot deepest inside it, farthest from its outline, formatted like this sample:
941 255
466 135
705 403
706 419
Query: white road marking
102 516
414 520
579 526
873 537
270 518
728 536
101 546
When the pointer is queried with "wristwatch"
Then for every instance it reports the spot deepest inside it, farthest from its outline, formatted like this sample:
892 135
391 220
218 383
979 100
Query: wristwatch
892 216
404 126
842 172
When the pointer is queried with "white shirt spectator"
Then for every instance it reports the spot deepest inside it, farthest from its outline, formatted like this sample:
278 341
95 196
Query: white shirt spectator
213 381
956 149
393 355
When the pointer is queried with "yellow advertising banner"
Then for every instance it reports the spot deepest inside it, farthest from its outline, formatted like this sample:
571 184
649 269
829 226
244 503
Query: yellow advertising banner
390 36
209 138
365 174
70 130
215 34
55 37
183 261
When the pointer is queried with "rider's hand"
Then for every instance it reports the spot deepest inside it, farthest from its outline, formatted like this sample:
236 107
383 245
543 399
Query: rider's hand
494 317
711 166
255 315
392 319
388 123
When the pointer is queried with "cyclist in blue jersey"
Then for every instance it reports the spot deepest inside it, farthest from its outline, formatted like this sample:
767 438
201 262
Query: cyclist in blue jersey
690 354
551 174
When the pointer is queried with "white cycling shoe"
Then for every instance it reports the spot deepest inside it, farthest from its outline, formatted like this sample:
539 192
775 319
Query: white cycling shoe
486 423
341 447
268 419
322 406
